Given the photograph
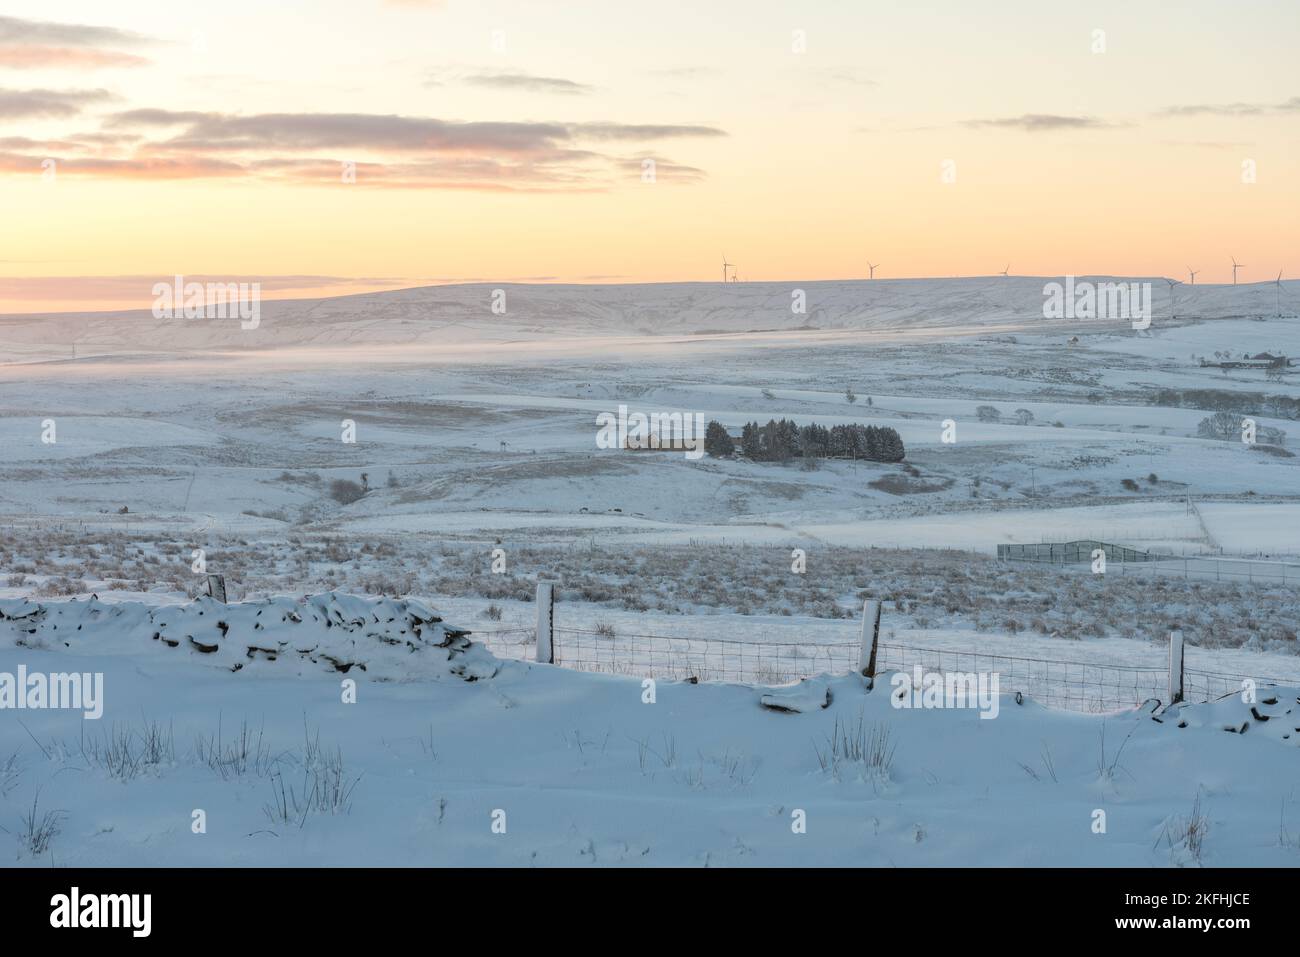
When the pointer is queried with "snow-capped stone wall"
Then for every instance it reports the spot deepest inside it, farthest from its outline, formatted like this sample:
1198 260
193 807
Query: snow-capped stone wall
382 638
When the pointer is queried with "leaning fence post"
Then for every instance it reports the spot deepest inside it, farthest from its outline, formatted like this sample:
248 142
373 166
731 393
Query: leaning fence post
1175 666
870 638
545 621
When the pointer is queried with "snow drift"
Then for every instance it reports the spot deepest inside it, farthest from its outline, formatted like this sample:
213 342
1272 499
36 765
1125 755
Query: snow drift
587 768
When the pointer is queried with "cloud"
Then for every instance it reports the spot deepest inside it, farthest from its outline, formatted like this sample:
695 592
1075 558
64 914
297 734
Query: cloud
626 131
69 58
1233 109
567 171
155 117
46 104
529 82
558 172
382 150
27 143
14 31
1225 109
1040 122
151 168
687 72
664 169
307 131
40 44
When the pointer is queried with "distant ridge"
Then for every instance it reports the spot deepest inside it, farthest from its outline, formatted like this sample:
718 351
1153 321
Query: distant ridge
463 313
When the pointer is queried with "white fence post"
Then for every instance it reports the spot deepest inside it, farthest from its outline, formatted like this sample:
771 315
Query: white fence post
545 622
1175 666
870 637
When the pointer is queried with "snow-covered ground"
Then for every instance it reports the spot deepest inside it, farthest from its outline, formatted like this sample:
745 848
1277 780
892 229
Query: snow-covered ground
491 445
129 445
193 763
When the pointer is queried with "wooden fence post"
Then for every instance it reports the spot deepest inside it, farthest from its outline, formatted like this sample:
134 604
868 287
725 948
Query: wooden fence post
545 623
870 638
1175 666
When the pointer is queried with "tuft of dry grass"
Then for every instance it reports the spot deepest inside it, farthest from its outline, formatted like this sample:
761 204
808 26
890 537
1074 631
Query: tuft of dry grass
868 746
38 830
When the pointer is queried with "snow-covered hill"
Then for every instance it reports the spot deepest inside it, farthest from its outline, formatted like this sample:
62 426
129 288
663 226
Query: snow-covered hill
462 314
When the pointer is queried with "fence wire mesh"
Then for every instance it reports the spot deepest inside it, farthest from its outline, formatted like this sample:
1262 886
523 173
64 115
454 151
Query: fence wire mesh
1066 685
1054 683
1215 569
1210 686
1190 569
519 644
659 656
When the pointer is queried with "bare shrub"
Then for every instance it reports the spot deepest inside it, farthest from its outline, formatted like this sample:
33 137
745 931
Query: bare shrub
61 587
345 492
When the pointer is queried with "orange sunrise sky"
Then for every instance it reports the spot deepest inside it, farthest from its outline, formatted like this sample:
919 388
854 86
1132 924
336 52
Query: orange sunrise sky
331 147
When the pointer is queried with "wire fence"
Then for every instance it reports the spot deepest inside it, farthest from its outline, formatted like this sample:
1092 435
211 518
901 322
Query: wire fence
1189 568
711 659
1210 686
519 644
1053 683
1215 569
1057 683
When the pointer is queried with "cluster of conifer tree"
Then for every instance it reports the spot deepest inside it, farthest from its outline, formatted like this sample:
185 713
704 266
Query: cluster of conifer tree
783 440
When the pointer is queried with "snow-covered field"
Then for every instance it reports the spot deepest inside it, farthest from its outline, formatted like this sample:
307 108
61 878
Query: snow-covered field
459 759
138 455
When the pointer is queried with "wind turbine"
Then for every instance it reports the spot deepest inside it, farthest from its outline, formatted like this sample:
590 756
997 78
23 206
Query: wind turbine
1278 283
872 267
1235 266
735 276
1192 273
1173 302
1007 270
725 266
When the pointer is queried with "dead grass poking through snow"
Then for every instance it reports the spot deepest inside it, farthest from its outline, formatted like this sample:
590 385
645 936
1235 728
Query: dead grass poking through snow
869 747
